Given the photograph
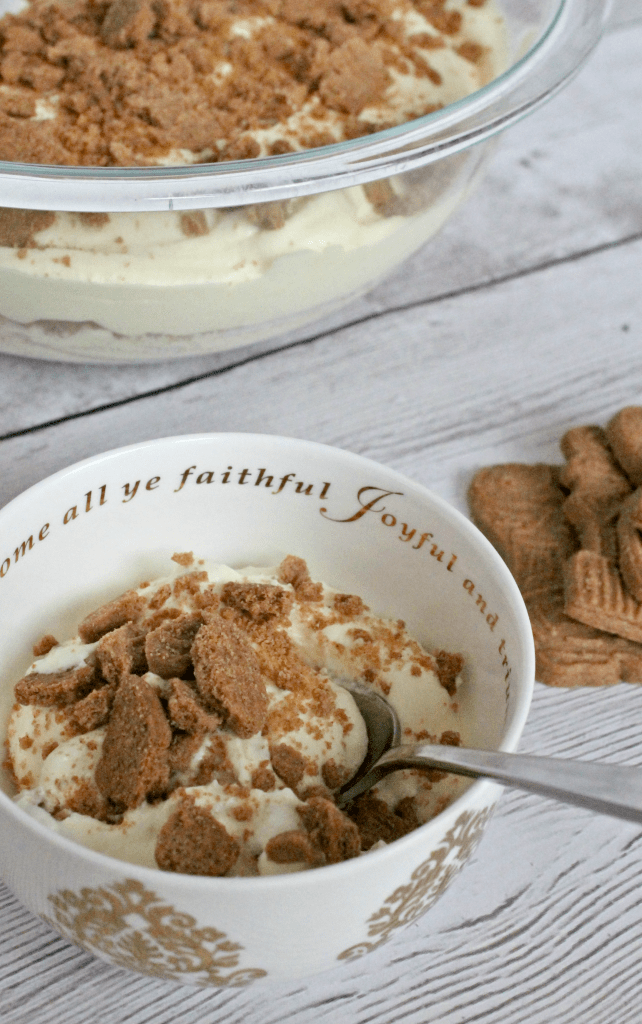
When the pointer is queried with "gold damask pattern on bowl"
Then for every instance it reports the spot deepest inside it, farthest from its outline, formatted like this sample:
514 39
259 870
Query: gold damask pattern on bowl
427 882
133 928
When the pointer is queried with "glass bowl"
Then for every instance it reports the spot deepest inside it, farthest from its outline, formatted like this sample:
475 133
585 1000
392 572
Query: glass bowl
112 264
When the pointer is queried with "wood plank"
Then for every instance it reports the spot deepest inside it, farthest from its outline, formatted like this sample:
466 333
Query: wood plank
623 12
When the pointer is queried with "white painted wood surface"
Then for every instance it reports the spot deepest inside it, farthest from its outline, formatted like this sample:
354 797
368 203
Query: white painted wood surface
523 318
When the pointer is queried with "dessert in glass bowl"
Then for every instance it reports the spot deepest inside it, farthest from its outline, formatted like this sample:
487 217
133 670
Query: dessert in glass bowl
182 177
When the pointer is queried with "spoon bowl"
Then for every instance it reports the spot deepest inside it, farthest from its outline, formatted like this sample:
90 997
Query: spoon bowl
615 790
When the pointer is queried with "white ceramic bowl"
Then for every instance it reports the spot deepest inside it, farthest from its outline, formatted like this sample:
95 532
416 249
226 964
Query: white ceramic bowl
89 532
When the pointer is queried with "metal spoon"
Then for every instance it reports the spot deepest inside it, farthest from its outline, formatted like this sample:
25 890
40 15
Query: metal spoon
605 788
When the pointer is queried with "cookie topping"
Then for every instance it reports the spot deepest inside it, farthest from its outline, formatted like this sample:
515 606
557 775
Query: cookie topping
55 689
228 676
168 647
208 724
195 843
44 645
186 711
122 652
126 608
375 821
135 82
257 601
288 764
134 762
330 830
292 848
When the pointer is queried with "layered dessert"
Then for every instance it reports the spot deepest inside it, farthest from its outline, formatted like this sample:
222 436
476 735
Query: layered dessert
141 83
199 724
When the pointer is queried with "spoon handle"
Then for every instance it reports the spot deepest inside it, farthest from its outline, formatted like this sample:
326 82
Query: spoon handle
605 788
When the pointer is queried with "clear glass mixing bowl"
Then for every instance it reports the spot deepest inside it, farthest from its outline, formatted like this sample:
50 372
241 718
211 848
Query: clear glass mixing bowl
137 264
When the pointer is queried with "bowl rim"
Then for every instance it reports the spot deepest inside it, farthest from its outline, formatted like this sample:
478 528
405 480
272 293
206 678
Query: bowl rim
479 793
567 39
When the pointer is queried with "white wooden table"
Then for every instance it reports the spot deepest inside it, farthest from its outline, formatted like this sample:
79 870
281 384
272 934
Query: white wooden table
522 319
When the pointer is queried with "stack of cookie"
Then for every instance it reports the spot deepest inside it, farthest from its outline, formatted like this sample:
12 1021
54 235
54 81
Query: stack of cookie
572 537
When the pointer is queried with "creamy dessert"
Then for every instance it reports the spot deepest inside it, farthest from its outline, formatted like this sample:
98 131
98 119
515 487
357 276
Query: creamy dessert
199 724
134 83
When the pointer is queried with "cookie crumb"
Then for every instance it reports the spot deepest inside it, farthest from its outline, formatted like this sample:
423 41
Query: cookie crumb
56 689
193 842
294 570
330 830
260 602
292 847
168 648
122 610
185 558
449 666
134 760
44 645
228 676
263 777
334 775
289 764
348 606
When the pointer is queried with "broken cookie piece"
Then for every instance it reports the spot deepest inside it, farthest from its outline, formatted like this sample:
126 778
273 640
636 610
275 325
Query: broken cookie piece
121 652
376 822
330 830
134 761
228 676
186 712
56 689
126 608
168 648
193 842
93 710
293 847
289 764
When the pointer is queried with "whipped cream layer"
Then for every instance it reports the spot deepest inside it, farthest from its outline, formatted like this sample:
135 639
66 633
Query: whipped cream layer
261 780
141 275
